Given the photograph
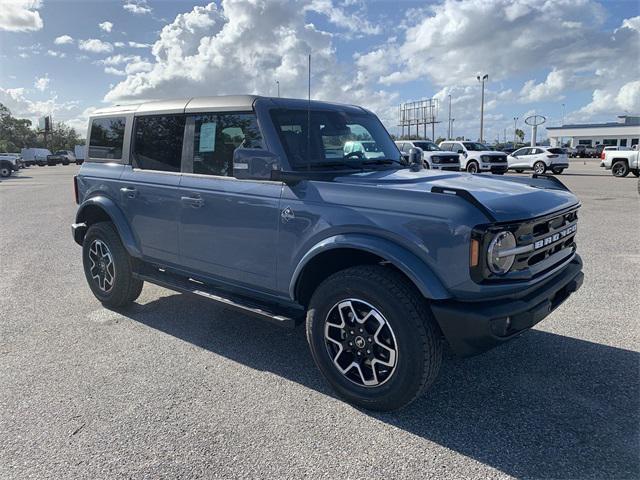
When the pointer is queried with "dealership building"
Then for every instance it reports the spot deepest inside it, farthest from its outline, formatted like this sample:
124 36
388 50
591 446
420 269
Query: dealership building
623 133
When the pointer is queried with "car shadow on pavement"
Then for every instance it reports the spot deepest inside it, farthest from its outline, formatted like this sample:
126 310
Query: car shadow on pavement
541 406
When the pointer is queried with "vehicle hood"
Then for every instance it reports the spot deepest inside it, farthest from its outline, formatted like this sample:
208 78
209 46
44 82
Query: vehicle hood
504 198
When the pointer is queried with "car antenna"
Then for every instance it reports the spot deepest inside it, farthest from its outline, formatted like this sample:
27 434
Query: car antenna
309 117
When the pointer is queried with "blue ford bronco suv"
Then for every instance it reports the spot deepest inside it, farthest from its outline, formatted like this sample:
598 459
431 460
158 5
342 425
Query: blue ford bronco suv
255 203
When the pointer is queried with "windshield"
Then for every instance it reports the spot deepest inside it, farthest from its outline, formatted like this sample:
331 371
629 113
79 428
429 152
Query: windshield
336 139
475 146
427 146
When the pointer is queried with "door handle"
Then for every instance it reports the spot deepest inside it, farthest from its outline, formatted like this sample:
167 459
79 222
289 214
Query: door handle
195 202
129 192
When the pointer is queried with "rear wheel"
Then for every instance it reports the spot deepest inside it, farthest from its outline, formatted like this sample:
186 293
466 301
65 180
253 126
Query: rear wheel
108 266
5 171
373 337
557 171
539 168
473 167
636 172
620 169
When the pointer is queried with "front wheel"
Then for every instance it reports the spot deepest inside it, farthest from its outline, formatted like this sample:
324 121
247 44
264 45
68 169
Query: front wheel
108 266
539 168
373 337
5 171
636 172
620 169
557 171
473 167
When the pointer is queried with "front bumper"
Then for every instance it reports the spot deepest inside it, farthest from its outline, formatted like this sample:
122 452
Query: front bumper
475 327
446 167
494 168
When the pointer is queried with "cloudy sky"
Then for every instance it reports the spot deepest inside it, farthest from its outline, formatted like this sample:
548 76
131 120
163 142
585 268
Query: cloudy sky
67 57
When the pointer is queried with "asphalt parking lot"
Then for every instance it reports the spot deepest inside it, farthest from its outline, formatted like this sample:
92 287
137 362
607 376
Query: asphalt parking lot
177 387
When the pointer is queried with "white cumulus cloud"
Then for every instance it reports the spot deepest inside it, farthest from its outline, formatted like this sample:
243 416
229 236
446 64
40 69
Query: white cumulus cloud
20 15
63 40
42 83
138 7
95 46
106 26
244 47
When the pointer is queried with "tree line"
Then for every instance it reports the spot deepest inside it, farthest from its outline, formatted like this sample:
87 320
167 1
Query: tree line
18 133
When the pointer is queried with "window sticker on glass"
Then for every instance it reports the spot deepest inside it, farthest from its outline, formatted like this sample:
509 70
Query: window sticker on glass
207 137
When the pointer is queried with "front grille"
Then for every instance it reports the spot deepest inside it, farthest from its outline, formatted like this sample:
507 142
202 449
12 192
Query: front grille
497 159
448 158
549 236
545 242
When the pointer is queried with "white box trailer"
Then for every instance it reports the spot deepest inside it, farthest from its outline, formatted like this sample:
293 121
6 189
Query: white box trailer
32 156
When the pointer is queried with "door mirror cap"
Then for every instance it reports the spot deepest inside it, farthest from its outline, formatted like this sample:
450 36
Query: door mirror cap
254 164
415 158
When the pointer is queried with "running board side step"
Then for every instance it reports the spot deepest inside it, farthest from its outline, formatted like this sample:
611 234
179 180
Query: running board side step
287 318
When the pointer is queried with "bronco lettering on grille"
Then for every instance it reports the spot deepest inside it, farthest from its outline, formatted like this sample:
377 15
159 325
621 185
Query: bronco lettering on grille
555 237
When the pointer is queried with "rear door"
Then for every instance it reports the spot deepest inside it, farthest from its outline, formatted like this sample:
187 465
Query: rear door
150 185
228 226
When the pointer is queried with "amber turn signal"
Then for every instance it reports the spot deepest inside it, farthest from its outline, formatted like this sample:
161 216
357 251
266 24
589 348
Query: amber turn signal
474 253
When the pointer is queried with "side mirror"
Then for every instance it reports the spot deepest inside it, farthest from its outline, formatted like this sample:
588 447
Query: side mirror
415 159
254 164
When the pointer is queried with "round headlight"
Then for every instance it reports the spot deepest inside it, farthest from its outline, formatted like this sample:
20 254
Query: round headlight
499 262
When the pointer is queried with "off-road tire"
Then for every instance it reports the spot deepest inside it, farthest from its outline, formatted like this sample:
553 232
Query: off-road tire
557 171
473 167
539 167
5 172
418 338
125 289
620 169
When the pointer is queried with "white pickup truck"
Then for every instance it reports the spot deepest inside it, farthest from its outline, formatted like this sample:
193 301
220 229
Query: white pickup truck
621 162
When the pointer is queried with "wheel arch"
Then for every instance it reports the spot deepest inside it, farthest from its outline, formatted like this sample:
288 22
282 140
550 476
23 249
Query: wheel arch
102 209
343 251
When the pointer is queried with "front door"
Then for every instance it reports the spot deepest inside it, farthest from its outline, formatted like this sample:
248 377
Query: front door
228 226
149 188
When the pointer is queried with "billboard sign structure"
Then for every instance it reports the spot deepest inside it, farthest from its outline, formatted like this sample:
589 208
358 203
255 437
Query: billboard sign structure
44 124
413 115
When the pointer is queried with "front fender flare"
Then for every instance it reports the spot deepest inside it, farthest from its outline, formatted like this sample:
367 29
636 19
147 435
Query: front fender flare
117 217
406 261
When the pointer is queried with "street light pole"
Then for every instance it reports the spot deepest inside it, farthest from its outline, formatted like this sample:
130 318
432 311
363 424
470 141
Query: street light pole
452 128
449 133
515 127
278 84
482 80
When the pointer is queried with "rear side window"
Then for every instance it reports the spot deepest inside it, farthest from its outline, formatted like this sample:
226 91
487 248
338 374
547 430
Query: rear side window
557 151
158 142
107 138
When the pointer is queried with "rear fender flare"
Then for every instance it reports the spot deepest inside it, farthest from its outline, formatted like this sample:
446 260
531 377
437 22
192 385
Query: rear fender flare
116 216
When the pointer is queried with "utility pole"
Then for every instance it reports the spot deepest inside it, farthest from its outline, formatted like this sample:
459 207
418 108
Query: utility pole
449 130
515 128
482 80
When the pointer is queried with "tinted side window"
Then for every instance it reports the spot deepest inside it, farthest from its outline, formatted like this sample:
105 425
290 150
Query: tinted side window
107 138
158 142
216 137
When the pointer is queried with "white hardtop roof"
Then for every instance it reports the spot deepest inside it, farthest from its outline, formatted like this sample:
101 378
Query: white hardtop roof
184 105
